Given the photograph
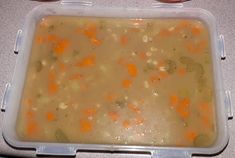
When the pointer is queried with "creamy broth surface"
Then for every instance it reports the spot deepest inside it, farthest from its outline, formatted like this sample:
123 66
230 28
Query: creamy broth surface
119 81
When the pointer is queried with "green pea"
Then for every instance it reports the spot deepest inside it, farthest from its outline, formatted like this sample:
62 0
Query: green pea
60 136
201 83
51 28
149 67
186 60
171 66
75 52
202 140
199 70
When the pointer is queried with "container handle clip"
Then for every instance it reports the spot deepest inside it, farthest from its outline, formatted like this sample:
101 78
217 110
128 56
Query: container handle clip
77 2
222 47
5 97
17 42
228 104
56 150
167 5
170 154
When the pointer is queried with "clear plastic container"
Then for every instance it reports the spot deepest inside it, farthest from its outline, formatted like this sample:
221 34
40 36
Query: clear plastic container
24 40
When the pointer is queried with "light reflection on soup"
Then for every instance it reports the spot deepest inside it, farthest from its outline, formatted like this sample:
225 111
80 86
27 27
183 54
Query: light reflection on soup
119 81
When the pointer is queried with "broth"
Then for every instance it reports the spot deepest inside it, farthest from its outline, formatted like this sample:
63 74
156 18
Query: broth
119 81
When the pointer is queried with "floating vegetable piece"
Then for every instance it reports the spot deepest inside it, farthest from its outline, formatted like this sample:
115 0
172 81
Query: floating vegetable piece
120 103
171 66
149 67
61 137
186 60
85 126
198 69
202 140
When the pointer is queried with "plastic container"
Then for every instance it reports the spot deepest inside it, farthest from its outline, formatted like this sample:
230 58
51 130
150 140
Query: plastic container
12 96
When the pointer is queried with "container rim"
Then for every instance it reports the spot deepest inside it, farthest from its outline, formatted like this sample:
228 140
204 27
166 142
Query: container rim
52 9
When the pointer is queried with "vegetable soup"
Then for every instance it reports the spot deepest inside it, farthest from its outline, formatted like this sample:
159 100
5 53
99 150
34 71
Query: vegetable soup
119 81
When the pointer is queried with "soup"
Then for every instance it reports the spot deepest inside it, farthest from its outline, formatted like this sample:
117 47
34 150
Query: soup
119 81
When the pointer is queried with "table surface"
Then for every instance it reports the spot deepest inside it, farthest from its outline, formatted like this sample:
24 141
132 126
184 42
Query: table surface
12 14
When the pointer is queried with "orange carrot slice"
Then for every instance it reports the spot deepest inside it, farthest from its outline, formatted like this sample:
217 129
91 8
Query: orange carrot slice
62 67
183 108
126 124
185 102
53 87
132 70
85 126
191 135
163 74
32 128
180 105
183 113
126 83
91 31
90 111
134 108
87 61
196 30
174 100
50 116
123 39
113 115
61 46
52 38
181 71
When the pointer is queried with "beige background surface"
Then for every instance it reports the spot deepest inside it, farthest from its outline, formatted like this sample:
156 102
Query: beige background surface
12 14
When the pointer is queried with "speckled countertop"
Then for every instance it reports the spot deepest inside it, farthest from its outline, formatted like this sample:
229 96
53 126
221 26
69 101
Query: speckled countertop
12 14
